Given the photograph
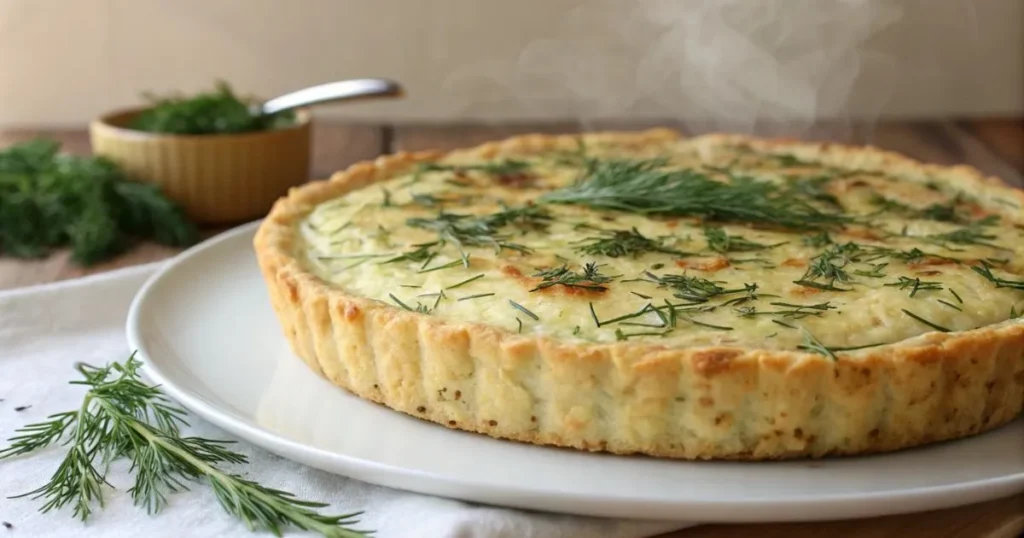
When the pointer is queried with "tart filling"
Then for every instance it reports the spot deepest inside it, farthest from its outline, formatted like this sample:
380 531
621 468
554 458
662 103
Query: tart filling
680 243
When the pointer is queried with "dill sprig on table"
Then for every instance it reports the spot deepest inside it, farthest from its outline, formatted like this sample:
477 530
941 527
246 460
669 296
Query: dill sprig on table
647 187
122 417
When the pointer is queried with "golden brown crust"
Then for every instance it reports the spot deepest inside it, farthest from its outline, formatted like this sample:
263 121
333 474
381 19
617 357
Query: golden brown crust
636 397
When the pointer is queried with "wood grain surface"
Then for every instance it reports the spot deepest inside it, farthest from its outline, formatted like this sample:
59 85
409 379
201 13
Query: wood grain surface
995 146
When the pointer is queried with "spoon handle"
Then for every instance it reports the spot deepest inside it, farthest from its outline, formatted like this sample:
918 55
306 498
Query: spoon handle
332 91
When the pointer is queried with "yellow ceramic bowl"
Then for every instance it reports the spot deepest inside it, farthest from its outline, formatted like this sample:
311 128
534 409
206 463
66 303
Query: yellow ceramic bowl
217 178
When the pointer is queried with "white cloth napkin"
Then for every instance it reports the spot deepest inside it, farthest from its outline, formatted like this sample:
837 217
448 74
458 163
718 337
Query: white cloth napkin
44 330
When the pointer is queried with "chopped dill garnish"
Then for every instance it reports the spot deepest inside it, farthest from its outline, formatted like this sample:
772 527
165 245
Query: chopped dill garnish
519 322
523 309
621 336
448 265
506 167
784 324
915 285
955 294
593 314
420 252
985 270
640 295
720 241
877 271
467 281
426 200
692 288
477 296
482 231
812 344
827 268
399 302
819 239
576 330
789 310
386 201
951 305
621 243
646 187
926 322
708 325
590 279
971 234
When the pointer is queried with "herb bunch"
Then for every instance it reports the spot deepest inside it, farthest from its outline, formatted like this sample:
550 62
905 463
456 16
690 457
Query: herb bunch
217 111
50 200
646 187
122 417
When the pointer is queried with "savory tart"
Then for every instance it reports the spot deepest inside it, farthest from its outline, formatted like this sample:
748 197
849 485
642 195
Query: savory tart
711 297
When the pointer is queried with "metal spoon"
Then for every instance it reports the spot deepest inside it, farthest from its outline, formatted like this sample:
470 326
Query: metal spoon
343 90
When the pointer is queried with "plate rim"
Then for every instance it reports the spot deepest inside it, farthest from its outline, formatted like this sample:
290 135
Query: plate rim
837 506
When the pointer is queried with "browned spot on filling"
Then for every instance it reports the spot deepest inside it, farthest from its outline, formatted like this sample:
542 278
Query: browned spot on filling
709 264
533 419
928 273
451 422
798 433
492 423
517 181
421 409
805 291
931 260
458 394
706 401
795 262
874 433
861 233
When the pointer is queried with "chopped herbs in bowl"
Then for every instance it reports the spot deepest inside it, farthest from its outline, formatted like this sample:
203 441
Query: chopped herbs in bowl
220 111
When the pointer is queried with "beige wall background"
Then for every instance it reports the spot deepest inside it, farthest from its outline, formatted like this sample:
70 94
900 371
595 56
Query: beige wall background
64 61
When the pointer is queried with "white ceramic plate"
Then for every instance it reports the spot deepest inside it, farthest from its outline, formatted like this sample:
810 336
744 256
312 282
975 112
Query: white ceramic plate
205 328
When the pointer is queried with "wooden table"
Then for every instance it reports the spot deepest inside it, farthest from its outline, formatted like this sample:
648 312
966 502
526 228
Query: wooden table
995 146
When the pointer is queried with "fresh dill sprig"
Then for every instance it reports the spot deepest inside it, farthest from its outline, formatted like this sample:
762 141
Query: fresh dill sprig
915 285
720 241
620 243
646 187
590 279
122 417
